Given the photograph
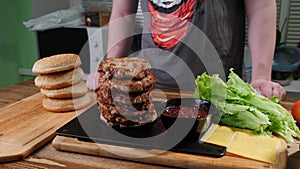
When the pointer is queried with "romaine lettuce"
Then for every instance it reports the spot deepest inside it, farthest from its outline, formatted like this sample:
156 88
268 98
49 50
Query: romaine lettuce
243 107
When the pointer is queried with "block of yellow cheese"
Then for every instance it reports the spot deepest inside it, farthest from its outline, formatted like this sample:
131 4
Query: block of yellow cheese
219 135
245 144
255 147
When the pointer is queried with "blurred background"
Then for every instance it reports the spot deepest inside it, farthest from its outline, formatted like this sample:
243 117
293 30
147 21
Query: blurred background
20 47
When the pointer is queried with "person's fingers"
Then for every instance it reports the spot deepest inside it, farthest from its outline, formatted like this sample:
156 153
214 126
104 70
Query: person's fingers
279 91
92 81
89 83
266 89
283 94
276 92
255 85
269 88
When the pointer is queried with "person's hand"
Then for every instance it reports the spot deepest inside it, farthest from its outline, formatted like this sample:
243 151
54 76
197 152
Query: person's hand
268 88
92 81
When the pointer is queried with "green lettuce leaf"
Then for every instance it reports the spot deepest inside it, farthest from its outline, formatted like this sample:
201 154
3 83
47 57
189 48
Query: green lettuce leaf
243 107
245 117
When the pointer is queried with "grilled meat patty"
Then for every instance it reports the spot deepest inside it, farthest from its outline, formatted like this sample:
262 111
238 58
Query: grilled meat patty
125 68
124 94
107 95
128 86
127 122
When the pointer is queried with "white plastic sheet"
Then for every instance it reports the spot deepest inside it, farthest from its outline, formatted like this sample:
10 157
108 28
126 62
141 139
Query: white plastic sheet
61 18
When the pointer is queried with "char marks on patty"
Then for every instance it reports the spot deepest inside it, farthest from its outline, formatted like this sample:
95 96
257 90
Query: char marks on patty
125 68
111 96
128 86
124 95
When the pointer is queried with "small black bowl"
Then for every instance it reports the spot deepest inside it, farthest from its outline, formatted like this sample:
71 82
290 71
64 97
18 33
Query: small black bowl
186 112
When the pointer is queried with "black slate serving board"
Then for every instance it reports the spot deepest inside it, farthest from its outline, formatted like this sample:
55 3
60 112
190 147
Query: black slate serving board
88 127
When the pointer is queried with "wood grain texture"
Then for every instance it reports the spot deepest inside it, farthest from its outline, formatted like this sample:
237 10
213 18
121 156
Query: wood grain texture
25 126
16 92
45 156
167 158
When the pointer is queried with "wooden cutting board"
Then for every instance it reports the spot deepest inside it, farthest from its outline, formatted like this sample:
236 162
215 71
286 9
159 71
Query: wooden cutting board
26 125
173 159
167 158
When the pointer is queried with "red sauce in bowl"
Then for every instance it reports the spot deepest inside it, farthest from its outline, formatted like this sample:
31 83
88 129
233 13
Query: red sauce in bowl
183 111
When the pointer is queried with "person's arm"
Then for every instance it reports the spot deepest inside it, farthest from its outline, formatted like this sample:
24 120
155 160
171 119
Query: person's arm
121 27
261 35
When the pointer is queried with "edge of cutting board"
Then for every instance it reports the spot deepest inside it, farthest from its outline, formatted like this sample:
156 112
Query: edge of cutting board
33 126
167 158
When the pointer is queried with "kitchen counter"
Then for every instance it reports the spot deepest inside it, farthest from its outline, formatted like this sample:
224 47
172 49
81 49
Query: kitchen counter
48 157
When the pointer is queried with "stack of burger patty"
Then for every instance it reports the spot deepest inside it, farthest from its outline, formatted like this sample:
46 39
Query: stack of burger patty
60 79
124 94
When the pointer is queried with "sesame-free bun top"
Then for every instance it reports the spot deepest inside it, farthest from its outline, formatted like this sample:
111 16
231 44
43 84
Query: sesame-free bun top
56 63
59 80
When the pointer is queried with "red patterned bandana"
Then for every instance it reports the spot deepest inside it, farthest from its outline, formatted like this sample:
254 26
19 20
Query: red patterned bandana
170 20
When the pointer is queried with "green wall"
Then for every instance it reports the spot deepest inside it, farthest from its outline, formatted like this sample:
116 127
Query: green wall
17 45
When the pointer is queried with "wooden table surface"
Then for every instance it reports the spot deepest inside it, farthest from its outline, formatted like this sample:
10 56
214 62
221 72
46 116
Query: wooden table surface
48 157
